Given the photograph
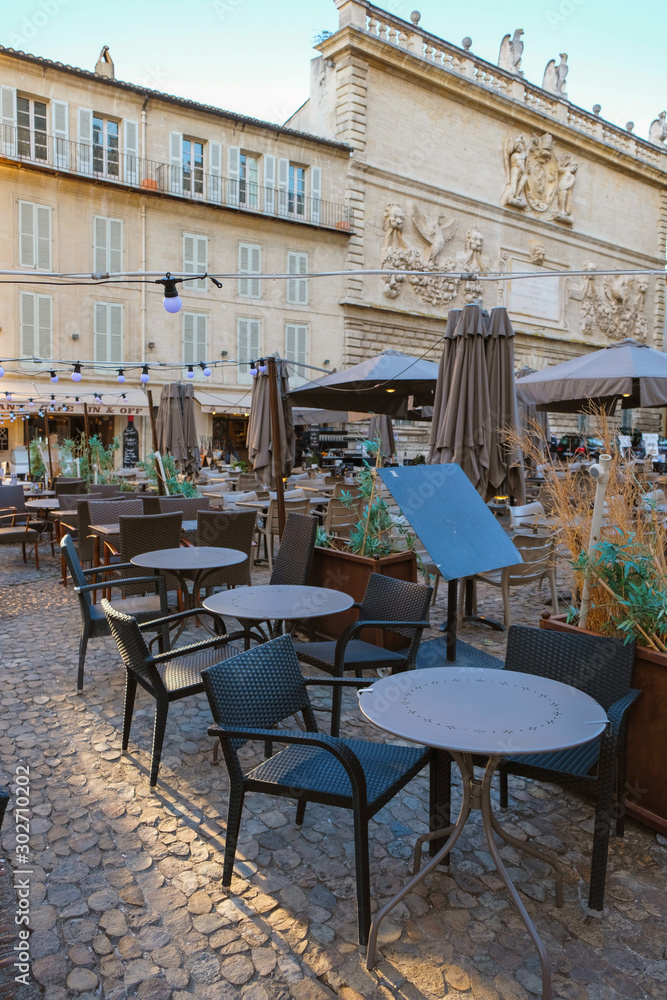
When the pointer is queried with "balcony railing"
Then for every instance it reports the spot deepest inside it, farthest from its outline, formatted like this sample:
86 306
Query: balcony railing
103 164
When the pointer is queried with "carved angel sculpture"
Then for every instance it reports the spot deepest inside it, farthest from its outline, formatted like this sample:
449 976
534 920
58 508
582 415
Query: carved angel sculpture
394 217
436 233
511 50
514 156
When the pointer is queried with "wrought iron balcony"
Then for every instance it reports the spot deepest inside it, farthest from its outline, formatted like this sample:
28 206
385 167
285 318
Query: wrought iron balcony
42 150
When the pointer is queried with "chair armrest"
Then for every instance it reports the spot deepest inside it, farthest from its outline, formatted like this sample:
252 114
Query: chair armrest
9 509
341 681
335 746
157 580
13 517
618 711
173 654
347 634
180 615
111 568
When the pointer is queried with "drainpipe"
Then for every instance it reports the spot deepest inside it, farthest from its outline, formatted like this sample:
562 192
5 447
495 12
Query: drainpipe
143 257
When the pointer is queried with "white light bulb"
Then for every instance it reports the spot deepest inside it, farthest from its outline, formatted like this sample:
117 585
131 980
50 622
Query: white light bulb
173 304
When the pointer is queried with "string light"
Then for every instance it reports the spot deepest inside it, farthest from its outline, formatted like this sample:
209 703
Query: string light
144 377
98 398
2 371
205 370
171 301
253 369
121 375
262 367
8 396
76 374
191 371
54 377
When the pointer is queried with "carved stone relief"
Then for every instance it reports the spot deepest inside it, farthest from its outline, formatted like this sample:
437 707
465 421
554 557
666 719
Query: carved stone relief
613 305
537 179
437 233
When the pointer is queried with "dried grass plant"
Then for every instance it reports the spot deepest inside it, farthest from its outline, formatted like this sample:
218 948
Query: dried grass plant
627 568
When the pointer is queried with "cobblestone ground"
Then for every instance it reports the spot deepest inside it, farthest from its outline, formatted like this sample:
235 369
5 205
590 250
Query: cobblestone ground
126 892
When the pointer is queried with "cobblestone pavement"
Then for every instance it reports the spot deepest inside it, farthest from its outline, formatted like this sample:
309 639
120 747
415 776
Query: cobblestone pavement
126 895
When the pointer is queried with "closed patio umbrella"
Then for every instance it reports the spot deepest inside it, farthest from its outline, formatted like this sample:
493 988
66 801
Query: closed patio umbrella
444 379
259 437
505 458
381 427
175 426
461 435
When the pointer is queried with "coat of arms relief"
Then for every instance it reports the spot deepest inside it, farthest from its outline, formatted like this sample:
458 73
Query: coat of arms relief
613 304
437 233
537 180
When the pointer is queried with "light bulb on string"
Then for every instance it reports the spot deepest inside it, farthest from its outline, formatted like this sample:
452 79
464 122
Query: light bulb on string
2 371
98 398
253 369
206 371
144 377
76 374
262 367
8 396
171 301
191 371
121 375
54 376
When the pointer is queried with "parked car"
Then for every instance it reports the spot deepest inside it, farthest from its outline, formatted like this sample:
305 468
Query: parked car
574 446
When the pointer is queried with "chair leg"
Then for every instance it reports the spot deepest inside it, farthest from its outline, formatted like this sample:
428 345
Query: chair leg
269 549
507 608
503 787
130 691
83 645
235 808
36 554
620 789
161 712
300 811
24 555
363 874
336 708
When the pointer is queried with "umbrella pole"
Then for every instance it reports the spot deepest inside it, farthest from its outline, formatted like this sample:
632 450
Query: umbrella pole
48 445
276 444
87 430
160 484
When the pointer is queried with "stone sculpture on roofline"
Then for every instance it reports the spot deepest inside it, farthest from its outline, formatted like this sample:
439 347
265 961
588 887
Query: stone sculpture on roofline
554 76
658 130
511 50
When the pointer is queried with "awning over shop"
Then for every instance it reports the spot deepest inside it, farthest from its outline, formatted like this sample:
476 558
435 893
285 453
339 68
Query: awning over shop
214 402
115 402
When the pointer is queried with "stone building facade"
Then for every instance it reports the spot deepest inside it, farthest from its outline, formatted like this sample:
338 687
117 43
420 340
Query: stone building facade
462 166
99 176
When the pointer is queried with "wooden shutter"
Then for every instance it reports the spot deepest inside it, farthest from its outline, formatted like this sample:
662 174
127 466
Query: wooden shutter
8 120
115 333
233 174
315 193
43 237
100 245
269 164
283 185
131 152
44 326
215 172
60 127
101 331
27 324
296 337
201 261
195 341
250 262
115 257
27 250
247 348
297 288
201 337
176 162
195 260
84 138
188 338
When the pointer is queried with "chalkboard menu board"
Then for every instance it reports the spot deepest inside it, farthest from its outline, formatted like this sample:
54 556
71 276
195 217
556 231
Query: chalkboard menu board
130 446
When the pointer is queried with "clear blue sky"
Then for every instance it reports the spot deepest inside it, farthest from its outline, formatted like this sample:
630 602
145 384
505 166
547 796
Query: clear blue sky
252 56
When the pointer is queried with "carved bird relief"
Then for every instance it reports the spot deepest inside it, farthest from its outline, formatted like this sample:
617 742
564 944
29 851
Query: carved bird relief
437 234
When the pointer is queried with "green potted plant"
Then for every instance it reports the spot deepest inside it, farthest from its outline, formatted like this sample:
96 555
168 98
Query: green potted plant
377 544
176 486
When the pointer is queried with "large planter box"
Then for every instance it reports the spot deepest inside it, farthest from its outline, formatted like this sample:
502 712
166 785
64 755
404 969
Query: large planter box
646 798
349 573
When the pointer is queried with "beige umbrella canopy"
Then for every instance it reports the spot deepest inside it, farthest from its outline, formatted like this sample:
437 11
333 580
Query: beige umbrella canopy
381 427
505 458
259 437
460 434
442 385
175 426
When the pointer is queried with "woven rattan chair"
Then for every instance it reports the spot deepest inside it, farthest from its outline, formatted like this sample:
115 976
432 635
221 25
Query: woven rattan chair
93 622
104 491
147 533
295 555
390 605
233 529
69 486
101 512
340 518
269 530
189 506
602 667
167 676
258 689
18 526
247 481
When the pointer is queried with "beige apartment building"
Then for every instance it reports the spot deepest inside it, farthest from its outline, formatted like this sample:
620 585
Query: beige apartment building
410 153
99 177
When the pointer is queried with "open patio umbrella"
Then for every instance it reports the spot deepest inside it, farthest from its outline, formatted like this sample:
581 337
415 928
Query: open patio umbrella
505 458
629 371
259 437
532 421
382 384
175 426
461 433
381 427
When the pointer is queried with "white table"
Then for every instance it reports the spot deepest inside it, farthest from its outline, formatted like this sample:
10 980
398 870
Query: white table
497 713
278 603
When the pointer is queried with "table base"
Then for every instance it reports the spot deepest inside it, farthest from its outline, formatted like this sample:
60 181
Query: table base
476 796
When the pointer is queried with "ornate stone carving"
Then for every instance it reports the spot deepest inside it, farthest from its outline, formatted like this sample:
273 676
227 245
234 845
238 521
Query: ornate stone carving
658 130
554 76
537 254
613 305
511 50
436 289
537 179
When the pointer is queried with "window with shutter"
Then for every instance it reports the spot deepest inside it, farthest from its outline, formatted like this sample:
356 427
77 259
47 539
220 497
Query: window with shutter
195 342
297 288
176 162
60 125
296 352
8 120
195 260
34 236
315 193
36 319
108 332
131 152
84 136
107 245
269 164
248 349
215 172
233 172
283 184
250 262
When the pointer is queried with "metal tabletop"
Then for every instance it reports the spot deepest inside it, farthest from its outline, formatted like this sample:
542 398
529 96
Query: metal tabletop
264 504
114 528
189 559
45 504
280 602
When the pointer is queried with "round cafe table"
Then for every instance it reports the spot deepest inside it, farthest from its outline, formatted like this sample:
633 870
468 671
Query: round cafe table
189 562
44 504
278 603
496 713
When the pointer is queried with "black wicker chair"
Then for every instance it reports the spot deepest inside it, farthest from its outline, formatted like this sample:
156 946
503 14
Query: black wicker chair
602 667
4 802
249 696
388 604
167 676
295 556
93 622
228 529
